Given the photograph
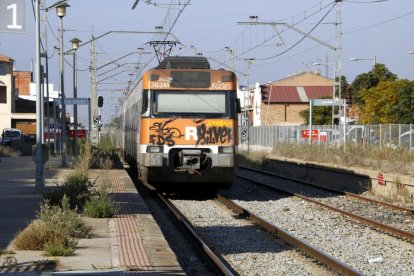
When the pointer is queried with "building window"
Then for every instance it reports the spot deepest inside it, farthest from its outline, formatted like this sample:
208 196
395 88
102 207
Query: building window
3 94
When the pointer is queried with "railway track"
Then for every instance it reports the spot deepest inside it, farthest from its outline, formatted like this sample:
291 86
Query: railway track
217 260
394 220
348 194
362 247
227 265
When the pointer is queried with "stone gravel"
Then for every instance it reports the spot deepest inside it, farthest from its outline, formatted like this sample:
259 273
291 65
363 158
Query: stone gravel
363 248
247 248
374 211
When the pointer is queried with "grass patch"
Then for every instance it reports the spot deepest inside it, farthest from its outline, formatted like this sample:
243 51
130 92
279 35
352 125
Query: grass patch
84 159
383 159
56 231
6 151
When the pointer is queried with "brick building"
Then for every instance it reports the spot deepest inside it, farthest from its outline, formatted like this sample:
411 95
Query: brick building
282 100
18 98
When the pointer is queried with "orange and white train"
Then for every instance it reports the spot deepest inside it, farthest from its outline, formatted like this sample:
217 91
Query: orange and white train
180 125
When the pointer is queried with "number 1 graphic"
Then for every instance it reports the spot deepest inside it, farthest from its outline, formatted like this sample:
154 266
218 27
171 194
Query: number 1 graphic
14 25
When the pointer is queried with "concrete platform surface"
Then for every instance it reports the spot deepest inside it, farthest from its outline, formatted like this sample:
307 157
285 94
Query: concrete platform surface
129 243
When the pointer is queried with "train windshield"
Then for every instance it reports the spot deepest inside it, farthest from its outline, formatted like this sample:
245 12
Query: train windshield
209 104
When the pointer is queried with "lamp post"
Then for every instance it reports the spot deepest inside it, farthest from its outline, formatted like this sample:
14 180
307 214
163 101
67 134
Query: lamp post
373 59
75 45
61 12
326 64
39 183
231 51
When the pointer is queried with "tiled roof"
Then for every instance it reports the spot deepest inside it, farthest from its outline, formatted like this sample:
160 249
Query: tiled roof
295 94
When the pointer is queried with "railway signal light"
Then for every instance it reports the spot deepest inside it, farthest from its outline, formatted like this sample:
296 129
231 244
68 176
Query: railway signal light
100 101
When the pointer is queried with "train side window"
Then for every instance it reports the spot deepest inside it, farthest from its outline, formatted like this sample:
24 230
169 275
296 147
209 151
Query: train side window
144 101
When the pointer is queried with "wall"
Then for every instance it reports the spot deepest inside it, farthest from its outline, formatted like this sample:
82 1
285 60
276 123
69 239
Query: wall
304 79
278 111
6 80
22 80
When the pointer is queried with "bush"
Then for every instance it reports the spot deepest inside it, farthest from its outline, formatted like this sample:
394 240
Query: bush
60 246
84 159
6 151
75 187
64 220
56 231
33 237
100 205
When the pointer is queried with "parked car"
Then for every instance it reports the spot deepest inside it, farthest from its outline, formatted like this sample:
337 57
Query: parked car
10 135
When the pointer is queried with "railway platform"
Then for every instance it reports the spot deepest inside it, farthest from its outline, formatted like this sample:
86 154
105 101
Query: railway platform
129 243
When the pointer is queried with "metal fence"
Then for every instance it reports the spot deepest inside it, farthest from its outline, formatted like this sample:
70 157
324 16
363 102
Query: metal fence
390 135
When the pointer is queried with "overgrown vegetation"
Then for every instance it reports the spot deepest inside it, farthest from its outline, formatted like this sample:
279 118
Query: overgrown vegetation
58 227
105 154
383 159
80 192
56 231
100 205
76 188
6 151
397 161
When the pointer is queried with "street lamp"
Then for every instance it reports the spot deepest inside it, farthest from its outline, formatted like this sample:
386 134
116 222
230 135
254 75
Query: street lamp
326 65
61 12
373 59
231 51
75 45
411 52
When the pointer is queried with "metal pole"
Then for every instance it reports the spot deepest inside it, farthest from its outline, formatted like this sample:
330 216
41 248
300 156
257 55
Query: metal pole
310 121
75 106
62 89
89 121
42 115
55 125
268 103
39 184
99 126
48 106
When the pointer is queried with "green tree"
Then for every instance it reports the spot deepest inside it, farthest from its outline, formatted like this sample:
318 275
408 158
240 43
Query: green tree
369 80
116 122
390 101
321 115
405 106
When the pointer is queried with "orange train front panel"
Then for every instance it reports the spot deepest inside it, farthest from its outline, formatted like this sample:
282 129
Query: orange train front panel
177 131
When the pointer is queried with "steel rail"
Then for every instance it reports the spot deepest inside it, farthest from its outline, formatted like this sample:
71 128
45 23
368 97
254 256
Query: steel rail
377 225
324 258
349 194
221 265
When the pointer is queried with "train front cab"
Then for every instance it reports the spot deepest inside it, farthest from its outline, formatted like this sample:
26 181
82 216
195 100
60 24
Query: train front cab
190 153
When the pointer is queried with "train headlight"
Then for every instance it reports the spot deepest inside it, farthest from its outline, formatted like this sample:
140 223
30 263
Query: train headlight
155 149
227 150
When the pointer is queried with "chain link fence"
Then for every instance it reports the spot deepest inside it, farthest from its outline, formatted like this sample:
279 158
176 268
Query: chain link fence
390 135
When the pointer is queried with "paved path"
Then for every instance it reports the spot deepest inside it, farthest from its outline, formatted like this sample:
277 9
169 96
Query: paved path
131 241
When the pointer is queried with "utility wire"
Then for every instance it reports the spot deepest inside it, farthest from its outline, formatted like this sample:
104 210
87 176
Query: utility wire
303 38
267 40
344 33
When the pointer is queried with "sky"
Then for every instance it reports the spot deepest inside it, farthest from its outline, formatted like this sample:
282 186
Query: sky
370 28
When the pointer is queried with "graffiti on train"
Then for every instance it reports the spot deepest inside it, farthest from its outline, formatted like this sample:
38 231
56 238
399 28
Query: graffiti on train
213 134
165 135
